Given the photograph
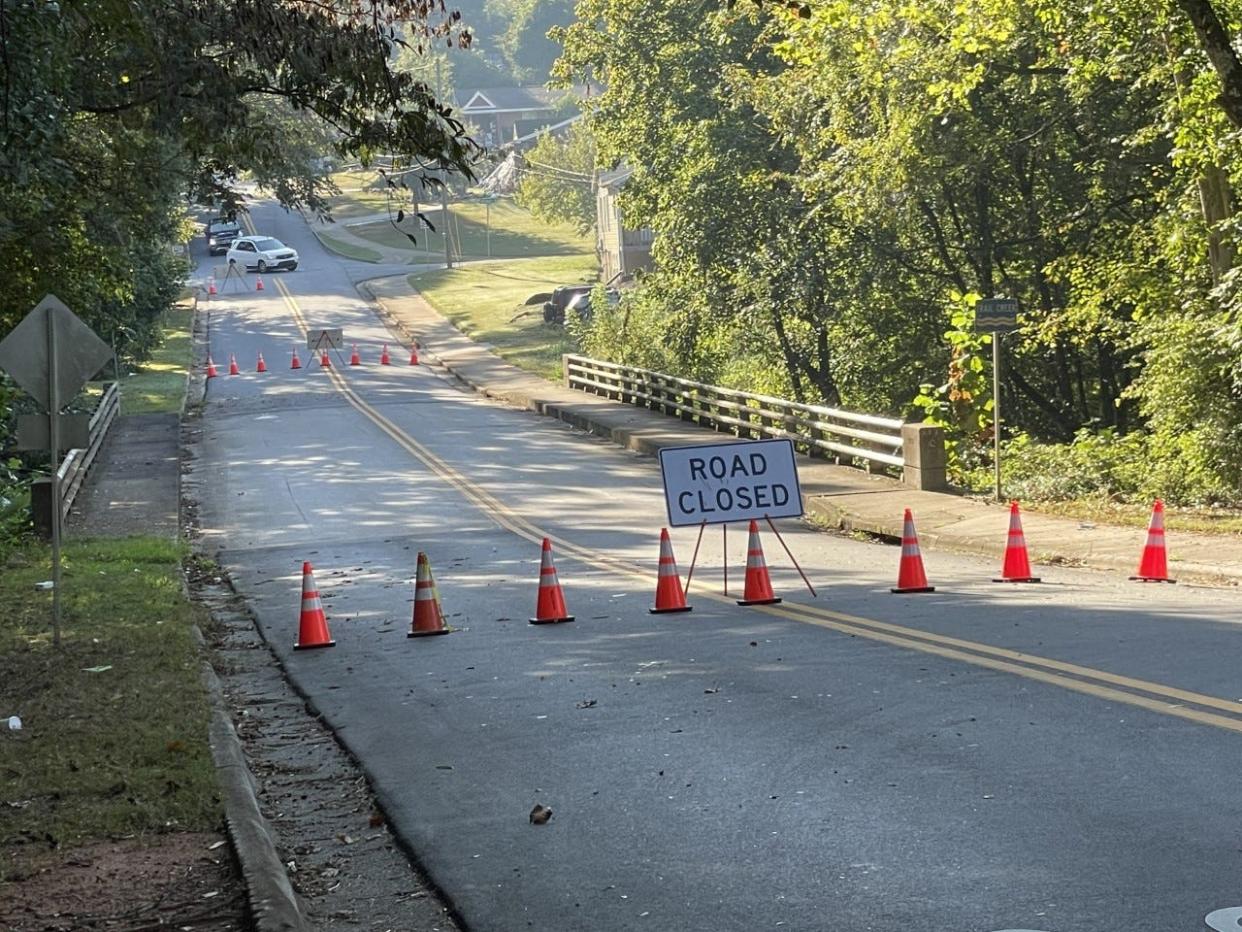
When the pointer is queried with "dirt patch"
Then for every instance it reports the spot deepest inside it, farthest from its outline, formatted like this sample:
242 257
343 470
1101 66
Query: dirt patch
185 880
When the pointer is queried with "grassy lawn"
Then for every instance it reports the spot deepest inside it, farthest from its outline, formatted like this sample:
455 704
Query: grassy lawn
158 385
483 299
114 736
514 233
348 250
362 193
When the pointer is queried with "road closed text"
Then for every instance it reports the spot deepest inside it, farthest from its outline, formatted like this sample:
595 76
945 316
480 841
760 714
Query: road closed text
730 482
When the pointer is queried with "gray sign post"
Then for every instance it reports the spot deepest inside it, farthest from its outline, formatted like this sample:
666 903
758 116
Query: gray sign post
1000 315
52 354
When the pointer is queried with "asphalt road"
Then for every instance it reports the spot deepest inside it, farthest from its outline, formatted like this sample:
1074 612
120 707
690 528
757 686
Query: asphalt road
1061 757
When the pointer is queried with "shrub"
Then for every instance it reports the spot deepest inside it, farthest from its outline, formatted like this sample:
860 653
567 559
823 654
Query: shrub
1126 468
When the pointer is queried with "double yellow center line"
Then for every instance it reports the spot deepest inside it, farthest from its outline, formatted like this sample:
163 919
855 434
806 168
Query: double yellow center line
1155 697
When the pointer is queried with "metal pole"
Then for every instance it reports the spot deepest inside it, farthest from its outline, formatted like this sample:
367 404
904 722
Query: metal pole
444 214
724 546
489 229
444 218
996 409
814 594
53 418
695 558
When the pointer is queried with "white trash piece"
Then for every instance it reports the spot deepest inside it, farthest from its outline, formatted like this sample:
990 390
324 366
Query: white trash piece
15 723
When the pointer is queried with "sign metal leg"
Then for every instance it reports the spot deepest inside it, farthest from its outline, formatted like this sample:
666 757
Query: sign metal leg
695 558
814 594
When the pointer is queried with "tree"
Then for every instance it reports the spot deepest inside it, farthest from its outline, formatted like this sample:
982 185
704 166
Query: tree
112 112
828 180
524 41
557 179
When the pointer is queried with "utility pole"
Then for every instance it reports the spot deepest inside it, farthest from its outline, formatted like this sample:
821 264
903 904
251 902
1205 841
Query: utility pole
444 208
444 218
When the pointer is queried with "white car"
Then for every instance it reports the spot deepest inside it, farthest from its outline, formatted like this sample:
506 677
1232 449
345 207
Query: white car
260 253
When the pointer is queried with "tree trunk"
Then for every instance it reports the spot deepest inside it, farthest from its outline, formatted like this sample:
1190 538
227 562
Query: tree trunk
1220 53
1217 201
822 376
1014 377
793 363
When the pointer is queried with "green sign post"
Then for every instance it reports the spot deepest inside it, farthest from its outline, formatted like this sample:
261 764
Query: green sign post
999 315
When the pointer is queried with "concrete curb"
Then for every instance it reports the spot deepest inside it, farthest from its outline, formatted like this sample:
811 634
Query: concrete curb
273 904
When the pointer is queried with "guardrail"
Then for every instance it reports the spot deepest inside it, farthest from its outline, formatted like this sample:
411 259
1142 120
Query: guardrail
74 466
831 433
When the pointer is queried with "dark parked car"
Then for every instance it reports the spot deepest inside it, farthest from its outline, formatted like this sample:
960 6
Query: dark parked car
576 298
554 308
220 235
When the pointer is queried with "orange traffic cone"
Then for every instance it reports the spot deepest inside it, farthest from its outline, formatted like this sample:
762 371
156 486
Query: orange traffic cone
910 575
211 286
1154 567
313 626
413 354
354 358
258 283
233 370
428 616
669 594
297 363
1017 566
324 361
551 606
758 589
262 366
211 369
385 359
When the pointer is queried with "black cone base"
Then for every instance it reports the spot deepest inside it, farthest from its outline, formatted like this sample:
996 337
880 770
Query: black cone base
551 621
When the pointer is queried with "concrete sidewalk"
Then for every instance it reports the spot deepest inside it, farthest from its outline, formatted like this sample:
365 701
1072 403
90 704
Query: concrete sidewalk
836 496
133 486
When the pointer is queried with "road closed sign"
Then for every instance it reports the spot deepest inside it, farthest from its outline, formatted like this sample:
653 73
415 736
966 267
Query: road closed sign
722 482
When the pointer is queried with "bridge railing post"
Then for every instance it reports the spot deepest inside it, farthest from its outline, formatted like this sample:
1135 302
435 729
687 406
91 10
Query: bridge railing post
925 462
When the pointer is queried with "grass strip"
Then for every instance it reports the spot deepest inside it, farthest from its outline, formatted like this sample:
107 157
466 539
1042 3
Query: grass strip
158 385
484 301
348 250
114 723
1096 511
501 231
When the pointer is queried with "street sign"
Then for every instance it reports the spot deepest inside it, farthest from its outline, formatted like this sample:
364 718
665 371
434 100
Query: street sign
999 315
52 354
324 339
79 353
720 482
34 432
